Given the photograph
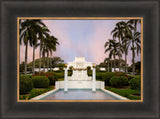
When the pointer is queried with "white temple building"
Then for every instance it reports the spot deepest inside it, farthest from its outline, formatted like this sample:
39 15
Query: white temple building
79 78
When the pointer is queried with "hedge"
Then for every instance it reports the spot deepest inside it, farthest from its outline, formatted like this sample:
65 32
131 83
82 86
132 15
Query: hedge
52 76
26 84
135 83
106 77
119 81
40 82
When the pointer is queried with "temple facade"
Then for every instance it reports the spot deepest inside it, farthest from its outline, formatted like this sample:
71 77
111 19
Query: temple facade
79 78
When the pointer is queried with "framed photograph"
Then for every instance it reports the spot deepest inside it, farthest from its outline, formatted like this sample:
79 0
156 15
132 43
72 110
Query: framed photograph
106 41
80 59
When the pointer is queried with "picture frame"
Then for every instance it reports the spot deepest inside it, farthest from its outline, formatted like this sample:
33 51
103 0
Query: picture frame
82 19
149 10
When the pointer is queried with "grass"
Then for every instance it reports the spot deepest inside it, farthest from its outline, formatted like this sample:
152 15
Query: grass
35 92
127 92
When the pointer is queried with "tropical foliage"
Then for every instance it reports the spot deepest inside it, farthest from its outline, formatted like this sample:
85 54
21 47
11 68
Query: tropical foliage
125 38
35 33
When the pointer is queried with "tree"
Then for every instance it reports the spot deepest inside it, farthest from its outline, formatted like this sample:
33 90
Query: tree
21 67
134 23
53 47
138 67
29 31
112 46
27 35
118 33
37 29
55 61
134 41
107 60
49 45
42 35
127 29
45 49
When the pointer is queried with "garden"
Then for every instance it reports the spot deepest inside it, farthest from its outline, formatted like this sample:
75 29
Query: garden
34 85
122 84
117 82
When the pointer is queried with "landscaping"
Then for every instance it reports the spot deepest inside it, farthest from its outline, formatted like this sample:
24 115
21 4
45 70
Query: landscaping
126 92
31 86
117 82
122 84
35 92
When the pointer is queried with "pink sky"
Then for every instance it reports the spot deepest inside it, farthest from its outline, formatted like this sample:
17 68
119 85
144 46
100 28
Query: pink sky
84 38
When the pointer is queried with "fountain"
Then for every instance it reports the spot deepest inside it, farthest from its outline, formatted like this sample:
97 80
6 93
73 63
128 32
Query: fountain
79 78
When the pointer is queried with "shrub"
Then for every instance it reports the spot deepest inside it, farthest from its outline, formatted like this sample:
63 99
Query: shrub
135 83
40 82
30 76
70 72
51 80
106 77
26 84
58 75
52 76
99 75
89 72
118 81
119 74
129 77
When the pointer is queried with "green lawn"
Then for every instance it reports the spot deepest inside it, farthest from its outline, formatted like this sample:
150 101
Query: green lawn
35 92
125 92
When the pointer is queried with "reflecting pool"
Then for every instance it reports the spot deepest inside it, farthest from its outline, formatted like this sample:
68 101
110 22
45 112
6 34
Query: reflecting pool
79 94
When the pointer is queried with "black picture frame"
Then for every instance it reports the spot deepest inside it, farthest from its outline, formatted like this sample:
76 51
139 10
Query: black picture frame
11 9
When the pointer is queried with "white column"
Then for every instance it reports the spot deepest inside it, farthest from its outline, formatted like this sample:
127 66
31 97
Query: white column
65 80
93 80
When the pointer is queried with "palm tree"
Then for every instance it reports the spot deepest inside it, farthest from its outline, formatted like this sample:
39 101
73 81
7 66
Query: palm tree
112 46
49 45
27 35
45 49
135 35
107 60
118 33
127 29
37 29
54 43
135 43
42 35
30 29
134 22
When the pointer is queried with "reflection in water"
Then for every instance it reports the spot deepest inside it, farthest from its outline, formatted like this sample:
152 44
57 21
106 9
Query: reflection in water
79 95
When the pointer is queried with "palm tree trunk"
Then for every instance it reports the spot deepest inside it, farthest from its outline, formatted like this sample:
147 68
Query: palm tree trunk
108 66
111 65
50 59
26 52
47 62
133 67
125 62
43 61
33 60
114 64
40 60
50 64
119 54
